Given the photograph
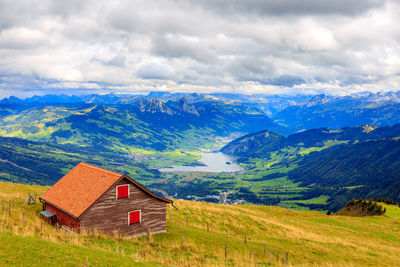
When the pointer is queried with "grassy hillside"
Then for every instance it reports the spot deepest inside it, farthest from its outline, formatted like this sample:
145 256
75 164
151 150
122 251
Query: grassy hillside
32 162
317 169
392 211
366 169
262 143
152 124
310 238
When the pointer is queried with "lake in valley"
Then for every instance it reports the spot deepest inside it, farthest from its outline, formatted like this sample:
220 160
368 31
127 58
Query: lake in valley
214 162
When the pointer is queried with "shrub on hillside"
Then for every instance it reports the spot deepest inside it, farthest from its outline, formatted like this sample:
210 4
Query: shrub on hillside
364 207
329 212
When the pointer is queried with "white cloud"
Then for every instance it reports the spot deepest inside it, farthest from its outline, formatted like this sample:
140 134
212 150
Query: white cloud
286 46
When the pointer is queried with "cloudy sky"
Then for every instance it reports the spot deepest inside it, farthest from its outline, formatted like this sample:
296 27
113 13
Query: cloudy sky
253 46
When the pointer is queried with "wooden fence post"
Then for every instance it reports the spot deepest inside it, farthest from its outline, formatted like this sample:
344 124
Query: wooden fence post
283 262
23 218
245 239
265 248
225 250
27 199
119 234
148 235
208 228
9 209
182 241
287 257
251 253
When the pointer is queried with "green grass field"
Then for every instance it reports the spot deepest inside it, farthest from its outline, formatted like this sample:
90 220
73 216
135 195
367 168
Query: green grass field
20 250
392 211
311 238
322 199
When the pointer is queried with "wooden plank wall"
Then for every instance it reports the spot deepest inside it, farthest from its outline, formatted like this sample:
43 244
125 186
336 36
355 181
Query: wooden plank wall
109 214
63 218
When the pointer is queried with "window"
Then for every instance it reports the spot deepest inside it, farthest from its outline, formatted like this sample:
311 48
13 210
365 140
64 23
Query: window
134 217
122 191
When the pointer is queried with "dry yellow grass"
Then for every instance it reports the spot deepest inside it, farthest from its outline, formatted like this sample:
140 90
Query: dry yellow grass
310 238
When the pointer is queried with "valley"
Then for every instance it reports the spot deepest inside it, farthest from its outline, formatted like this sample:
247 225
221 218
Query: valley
160 139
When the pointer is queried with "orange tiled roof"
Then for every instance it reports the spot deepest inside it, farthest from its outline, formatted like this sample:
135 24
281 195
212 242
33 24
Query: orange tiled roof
80 188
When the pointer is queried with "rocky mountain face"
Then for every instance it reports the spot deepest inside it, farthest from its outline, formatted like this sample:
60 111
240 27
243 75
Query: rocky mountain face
316 100
180 107
154 106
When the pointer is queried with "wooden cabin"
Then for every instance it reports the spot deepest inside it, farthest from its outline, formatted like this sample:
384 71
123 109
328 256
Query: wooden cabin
89 197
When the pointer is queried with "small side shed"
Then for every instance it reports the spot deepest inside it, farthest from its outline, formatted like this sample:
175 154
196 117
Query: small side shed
89 197
48 217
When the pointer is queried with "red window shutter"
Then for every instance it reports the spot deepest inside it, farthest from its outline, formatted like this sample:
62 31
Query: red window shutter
134 217
122 191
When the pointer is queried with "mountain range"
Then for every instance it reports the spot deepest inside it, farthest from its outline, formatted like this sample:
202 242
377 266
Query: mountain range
302 151
263 142
147 123
292 113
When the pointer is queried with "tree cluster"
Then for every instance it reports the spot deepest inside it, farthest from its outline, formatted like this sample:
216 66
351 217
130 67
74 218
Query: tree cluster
369 207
